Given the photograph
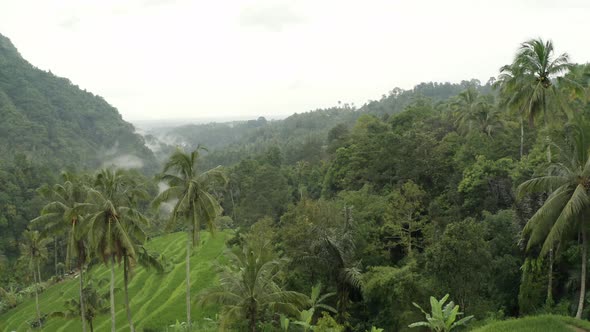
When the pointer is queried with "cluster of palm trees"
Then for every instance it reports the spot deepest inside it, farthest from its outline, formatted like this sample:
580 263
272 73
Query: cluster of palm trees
100 218
536 85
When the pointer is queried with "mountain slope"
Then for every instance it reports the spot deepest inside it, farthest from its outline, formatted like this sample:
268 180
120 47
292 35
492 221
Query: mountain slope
48 118
157 300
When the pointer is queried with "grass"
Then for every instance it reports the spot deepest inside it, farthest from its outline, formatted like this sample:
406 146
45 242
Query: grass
157 300
540 323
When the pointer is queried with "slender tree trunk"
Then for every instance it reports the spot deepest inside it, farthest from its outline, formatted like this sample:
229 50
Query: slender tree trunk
39 272
189 245
233 205
583 275
126 281
549 299
91 327
55 254
521 137
82 308
37 297
112 291
252 315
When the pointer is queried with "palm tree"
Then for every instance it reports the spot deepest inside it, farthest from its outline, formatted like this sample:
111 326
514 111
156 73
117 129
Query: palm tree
464 107
195 204
114 223
34 250
530 84
248 285
96 303
335 248
63 214
568 205
147 260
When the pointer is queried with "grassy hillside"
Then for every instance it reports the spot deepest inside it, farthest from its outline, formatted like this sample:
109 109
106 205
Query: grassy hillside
541 323
157 300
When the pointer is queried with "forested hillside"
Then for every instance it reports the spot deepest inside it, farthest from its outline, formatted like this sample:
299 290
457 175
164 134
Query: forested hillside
47 124
300 136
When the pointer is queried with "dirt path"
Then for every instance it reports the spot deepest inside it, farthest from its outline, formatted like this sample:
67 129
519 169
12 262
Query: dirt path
576 329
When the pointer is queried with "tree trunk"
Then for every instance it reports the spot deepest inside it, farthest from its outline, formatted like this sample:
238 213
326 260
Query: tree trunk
82 309
55 254
583 276
233 205
126 282
521 137
112 291
39 272
252 315
189 241
91 327
549 299
37 297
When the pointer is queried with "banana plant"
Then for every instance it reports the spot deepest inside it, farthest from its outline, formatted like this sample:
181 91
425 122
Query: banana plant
443 317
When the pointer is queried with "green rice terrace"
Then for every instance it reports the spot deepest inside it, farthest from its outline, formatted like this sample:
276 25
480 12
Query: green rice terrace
542 323
157 299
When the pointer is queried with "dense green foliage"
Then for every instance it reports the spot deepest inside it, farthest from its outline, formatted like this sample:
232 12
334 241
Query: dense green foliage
444 189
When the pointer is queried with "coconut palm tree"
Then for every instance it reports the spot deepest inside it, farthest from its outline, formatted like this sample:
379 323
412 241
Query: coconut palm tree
195 204
249 285
114 223
530 85
34 250
335 248
96 303
568 206
63 214
143 257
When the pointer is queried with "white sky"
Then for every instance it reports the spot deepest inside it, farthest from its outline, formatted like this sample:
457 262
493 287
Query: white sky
165 59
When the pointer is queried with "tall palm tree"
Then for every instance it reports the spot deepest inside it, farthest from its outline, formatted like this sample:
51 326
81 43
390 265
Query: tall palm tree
529 85
195 204
34 250
146 259
96 303
568 205
464 107
335 248
248 285
63 214
114 222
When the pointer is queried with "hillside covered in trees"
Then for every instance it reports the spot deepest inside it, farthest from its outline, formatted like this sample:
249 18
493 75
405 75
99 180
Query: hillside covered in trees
48 125
340 219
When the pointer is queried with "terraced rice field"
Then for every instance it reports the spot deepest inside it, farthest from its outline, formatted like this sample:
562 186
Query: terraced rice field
157 300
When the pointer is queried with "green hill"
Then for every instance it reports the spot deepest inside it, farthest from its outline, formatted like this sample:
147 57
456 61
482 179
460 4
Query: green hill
542 323
48 118
48 124
157 300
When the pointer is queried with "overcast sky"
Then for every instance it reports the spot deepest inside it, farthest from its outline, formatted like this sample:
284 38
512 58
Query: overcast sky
163 59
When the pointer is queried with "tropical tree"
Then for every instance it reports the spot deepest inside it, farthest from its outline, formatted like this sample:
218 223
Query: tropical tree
96 303
335 249
464 108
64 214
443 318
249 285
317 299
530 85
143 257
568 205
115 223
195 204
34 250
